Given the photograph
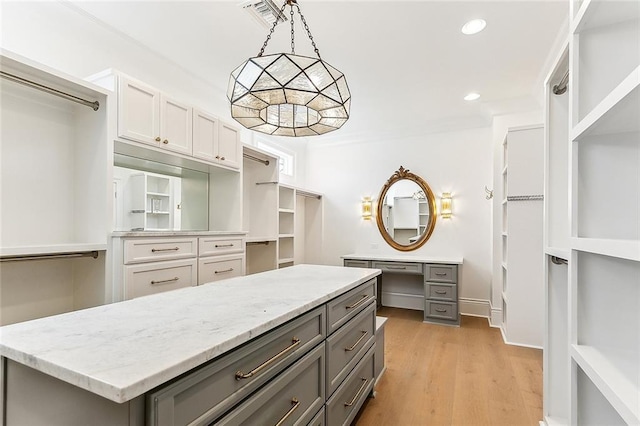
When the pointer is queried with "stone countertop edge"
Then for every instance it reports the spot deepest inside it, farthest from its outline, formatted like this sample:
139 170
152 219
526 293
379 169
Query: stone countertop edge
123 234
121 373
456 260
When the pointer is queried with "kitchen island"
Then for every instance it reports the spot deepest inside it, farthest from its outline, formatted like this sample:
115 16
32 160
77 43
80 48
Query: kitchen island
220 352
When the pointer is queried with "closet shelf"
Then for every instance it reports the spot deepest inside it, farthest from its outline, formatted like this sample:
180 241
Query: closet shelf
623 249
285 260
563 253
158 194
616 113
621 392
285 236
286 211
260 239
594 14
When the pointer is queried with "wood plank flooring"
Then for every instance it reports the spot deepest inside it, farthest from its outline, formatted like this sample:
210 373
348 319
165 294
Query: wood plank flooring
439 375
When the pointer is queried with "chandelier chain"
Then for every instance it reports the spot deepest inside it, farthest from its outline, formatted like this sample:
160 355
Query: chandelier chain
273 27
306 27
293 44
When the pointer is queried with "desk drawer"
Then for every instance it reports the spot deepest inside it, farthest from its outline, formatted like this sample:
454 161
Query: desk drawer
441 310
154 249
441 273
294 397
353 263
208 392
345 403
152 278
343 308
439 291
398 267
209 246
347 345
218 268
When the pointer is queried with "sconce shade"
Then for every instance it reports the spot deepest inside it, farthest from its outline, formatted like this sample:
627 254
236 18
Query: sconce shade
445 205
367 210
289 95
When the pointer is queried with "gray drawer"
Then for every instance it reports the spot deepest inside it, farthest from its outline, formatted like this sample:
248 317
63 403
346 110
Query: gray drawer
347 345
441 273
318 420
398 267
352 263
209 391
343 308
345 403
293 398
441 310
439 291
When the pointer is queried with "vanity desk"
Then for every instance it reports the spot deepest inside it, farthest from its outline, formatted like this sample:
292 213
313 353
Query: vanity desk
440 279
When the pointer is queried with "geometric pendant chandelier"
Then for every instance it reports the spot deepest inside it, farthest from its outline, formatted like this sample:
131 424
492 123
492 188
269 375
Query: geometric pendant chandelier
285 94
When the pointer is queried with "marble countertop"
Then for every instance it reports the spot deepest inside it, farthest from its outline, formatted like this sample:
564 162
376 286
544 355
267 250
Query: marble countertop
175 233
122 350
404 258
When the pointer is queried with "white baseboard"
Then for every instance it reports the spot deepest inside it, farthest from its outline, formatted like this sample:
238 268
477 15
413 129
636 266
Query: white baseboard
474 307
495 320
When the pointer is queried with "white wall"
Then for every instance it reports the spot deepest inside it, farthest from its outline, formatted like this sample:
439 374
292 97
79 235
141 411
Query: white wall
458 162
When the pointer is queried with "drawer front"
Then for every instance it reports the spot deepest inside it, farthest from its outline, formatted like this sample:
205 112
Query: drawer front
292 398
441 291
318 420
345 403
210 391
214 246
154 249
441 273
441 310
218 268
352 263
343 308
151 278
398 267
346 346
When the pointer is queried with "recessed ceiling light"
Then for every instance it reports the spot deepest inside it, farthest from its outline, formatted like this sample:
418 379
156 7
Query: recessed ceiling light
472 97
474 26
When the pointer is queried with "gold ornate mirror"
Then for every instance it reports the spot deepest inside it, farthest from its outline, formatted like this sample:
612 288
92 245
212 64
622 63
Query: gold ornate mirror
406 214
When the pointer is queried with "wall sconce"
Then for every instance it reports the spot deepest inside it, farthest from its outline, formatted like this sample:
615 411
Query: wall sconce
445 205
367 210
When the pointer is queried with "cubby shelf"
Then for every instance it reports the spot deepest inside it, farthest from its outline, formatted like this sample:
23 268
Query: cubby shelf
623 249
562 253
603 370
593 14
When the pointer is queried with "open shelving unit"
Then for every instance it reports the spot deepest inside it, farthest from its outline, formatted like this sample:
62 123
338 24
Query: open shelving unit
593 306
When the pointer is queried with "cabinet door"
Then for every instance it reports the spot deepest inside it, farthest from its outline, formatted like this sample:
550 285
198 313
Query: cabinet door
205 136
229 146
138 112
175 122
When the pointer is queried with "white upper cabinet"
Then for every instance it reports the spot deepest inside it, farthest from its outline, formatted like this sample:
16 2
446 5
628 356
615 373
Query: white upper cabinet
175 125
215 141
138 112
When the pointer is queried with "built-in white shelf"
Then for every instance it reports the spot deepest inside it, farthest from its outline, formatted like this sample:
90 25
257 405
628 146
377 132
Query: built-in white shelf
260 239
285 260
603 370
286 211
285 236
618 112
593 14
563 253
624 249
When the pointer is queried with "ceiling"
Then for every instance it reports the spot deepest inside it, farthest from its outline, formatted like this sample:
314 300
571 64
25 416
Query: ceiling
407 64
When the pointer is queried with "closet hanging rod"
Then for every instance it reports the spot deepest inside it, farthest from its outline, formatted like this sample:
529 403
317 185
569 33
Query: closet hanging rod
561 87
558 260
309 195
255 243
95 105
16 258
266 183
525 197
259 160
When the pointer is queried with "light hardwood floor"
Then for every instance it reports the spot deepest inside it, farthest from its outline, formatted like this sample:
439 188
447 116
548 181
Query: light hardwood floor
439 375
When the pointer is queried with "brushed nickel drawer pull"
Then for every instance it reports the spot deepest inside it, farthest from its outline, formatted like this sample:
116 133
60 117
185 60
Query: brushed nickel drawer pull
441 292
240 375
223 245
296 404
165 281
358 303
167 249
396 267
221 272
355 398
441 274
352 347
441 310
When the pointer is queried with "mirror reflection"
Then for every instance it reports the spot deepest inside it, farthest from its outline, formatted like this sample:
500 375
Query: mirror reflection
406 211
151 196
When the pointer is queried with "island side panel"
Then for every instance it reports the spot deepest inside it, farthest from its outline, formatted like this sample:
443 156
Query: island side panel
34 398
